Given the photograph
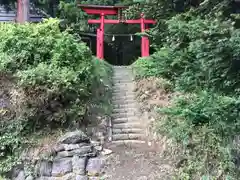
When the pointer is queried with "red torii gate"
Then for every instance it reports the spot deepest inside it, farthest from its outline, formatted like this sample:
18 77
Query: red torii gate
115 10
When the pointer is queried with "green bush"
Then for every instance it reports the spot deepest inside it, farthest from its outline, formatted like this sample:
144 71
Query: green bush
46 82
205 124
198 53
144 67
103 82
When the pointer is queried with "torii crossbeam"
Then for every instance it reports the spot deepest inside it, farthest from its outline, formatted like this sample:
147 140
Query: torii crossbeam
115 10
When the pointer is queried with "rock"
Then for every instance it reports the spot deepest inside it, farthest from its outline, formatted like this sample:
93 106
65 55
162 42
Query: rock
69 147
94 178
83 151
20 176
59 147
30 178
45 178
61 167
74 138
79 165
106 152
103 123
98 148
16 170
45 168
95 143
69 176
80 177
95 166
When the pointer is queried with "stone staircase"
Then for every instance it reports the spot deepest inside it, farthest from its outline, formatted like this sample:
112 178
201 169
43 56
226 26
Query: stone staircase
126 125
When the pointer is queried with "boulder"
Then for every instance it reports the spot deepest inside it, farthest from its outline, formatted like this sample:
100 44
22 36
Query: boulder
45 168
74 138
70 176
58 147
69 147
30 178
20 176
79 165
106 152
80 177
61 167
83 152
16 170
93 178
95 166
44 178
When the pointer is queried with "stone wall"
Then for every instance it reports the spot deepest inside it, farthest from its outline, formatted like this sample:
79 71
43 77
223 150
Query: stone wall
74 157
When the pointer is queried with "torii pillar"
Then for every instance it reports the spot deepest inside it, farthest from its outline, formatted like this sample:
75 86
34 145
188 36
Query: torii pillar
100 38
144 41
115 10
22 11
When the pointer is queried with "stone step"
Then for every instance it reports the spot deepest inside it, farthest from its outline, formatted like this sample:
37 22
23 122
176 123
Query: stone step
123 101
128 125
124 110
124 120
129 87
122 81
128 142
127 97
127 130
121 67
123 89
120 73
125 114
121 76
122 70
132 105
123 97
123 93
127 75
116 137
124 86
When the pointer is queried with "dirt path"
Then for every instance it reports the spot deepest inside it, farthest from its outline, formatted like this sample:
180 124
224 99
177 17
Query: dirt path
140 162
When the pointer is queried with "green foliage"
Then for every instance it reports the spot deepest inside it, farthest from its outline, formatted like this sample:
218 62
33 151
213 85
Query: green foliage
74 18
198 52
144 67
103 82
11 141
205 123
46 78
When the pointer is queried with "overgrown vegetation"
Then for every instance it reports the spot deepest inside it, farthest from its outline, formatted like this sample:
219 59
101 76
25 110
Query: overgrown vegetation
199 53
103 82
47 79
